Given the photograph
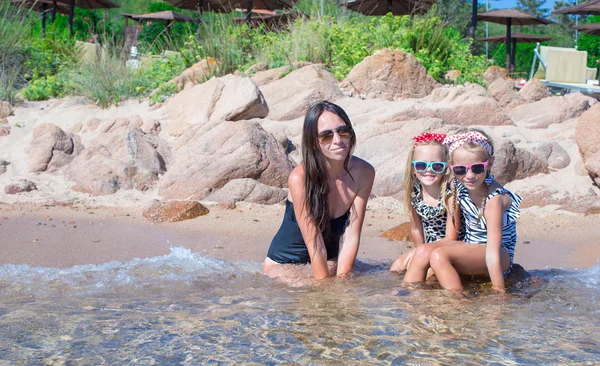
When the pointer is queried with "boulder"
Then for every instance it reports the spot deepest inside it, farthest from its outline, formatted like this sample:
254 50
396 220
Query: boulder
513 163
400 232
534 90
452 76
503 92
551 110
230 98
210 156
51 148
22 185
587 136
3 164
291 96
264 77
198 73
259 66
465 106
389 74
5 110
494 73
173 211
151 127
552 152
248 190
123 158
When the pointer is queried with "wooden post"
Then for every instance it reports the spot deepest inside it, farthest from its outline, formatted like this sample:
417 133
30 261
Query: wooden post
71 16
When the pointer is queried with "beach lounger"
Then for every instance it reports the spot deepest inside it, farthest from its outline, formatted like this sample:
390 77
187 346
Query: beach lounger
564 70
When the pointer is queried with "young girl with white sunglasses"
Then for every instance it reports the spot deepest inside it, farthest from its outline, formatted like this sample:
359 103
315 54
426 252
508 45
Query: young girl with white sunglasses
489 211
426 195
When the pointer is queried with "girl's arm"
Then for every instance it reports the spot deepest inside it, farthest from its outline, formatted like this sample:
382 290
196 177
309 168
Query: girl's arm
365 175
452 219
494 211
315 245
416 228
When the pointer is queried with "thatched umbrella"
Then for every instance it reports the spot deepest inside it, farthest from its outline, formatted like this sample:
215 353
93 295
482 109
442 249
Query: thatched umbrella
382 7
43 6
516 38
588 8
589 28
272 20
509 17
167 16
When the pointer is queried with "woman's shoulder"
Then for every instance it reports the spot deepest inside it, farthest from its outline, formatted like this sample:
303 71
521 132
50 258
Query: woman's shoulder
358 165
296 177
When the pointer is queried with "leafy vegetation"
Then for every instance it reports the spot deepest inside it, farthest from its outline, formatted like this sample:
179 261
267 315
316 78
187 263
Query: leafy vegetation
41 68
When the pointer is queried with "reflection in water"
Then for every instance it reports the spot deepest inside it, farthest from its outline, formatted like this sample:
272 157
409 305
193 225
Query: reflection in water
188 309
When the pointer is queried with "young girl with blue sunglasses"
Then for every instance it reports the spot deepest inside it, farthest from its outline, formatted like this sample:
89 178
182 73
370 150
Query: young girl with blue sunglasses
489 211
426 194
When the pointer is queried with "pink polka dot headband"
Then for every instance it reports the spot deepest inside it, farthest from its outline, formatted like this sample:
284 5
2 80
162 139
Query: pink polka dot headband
428 136
455 141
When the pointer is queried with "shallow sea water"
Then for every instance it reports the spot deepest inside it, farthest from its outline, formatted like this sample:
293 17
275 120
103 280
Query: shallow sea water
184 308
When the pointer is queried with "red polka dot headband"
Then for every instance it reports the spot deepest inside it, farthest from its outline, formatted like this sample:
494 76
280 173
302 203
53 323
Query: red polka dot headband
455 141
428 136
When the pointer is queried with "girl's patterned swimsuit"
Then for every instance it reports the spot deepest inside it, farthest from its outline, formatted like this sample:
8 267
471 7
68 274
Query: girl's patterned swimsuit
433 218
476 233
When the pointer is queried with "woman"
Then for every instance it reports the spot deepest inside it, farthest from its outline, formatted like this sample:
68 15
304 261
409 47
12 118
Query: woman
327 198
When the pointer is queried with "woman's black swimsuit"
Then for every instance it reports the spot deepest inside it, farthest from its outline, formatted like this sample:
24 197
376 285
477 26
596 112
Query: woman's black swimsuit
288 245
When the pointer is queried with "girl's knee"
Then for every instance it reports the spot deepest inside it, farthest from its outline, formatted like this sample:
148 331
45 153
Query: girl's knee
438 256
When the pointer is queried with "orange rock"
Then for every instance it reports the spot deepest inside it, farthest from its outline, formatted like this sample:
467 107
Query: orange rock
400 232
173 211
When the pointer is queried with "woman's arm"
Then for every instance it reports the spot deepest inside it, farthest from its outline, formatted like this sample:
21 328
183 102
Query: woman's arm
493 213
416 228
365 175
316 247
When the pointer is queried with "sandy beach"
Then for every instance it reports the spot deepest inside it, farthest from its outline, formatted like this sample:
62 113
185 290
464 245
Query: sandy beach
66 235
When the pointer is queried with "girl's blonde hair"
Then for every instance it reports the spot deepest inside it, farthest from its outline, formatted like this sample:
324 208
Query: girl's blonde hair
410 178
474 148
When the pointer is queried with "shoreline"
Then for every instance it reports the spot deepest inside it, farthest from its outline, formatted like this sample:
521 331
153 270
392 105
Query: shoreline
65 235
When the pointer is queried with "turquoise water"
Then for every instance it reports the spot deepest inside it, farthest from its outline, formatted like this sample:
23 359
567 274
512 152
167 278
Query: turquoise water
184 308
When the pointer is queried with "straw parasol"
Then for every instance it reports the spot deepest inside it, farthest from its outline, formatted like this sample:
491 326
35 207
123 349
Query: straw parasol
510 17
167 16
589 8
85 4
272 20
43 6
516 38
382 7
589 28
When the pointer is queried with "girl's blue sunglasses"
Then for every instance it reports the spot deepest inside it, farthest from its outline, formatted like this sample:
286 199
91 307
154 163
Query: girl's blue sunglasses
438 167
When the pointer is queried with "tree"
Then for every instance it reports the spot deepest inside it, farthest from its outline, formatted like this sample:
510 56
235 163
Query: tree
533 7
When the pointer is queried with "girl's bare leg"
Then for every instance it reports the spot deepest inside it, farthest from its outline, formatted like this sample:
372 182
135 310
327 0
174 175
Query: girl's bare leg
401 264
460 258
419 264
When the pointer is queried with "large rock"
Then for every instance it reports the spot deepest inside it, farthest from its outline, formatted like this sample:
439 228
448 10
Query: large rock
466 105
4 129
513 163
534 90
504 92
389 74
400 232
5 110
291 96
587 136
229 98
197 73
494 73
210 156
551 110
248 190
121 158
552 152
264 77
22 185
173 211
51 148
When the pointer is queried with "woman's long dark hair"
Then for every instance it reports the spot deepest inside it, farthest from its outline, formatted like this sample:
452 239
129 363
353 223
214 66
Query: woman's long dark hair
316 188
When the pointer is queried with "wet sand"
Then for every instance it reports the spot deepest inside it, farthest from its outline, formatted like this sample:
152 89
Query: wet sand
68 235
